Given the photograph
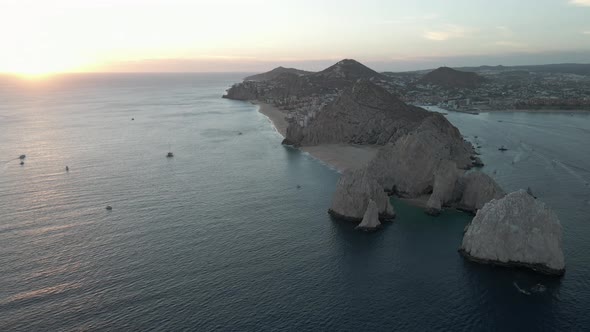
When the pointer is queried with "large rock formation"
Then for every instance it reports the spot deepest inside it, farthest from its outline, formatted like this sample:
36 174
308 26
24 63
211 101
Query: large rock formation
516 230
407 166
443 192
354 190
370 220
475 189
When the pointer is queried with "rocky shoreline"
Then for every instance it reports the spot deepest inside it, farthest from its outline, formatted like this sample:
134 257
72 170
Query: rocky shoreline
417 155
537 267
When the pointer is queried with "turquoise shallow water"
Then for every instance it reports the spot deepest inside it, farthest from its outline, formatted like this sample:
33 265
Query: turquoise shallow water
220 238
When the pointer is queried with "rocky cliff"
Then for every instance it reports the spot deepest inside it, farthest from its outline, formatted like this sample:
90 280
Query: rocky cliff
370 220
354 190
475 189
443 194
407 166
516 230
243 91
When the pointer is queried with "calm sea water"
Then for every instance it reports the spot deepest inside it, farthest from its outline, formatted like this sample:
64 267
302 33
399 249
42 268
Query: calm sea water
220 238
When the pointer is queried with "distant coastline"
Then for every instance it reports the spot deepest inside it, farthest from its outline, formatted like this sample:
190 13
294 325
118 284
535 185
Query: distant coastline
521 111
477 111
534 111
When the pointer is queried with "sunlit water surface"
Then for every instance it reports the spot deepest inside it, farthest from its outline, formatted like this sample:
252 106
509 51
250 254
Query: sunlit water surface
220 237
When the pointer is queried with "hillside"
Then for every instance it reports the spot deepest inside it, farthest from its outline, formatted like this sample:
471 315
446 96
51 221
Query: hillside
270 75
451 79
349 70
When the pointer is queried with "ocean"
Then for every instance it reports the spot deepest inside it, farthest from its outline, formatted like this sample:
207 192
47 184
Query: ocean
220 237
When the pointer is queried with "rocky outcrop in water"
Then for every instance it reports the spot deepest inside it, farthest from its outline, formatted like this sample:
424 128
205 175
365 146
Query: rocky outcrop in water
516 230
243 91
443 192
354 190
370 220
475 189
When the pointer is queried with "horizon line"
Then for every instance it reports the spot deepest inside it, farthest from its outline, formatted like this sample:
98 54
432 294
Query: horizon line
249 72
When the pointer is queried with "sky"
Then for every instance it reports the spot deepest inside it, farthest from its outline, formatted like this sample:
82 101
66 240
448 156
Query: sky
42 37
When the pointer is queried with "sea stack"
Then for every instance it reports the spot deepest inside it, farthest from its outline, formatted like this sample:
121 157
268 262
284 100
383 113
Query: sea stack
517 231
370 220
354 190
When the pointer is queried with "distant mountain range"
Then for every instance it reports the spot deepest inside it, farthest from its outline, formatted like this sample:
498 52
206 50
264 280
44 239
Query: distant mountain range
565 68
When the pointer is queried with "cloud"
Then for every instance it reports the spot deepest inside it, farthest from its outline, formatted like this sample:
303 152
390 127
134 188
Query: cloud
584 3
410 19
586 32
504 31
511 44
446 32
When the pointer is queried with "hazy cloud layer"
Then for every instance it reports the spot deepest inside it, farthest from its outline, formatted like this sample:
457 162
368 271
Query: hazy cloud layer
446 32
585 3
42 36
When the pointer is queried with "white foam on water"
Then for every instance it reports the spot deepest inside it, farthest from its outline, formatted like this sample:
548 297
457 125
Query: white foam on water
520 289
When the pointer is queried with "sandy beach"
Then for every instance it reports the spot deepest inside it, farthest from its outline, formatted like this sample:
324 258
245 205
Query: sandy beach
339 156
275 115
343 156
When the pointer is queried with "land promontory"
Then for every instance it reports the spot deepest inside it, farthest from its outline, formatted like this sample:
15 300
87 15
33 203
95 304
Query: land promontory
416 154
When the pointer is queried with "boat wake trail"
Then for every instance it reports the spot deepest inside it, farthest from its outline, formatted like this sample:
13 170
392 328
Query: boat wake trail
571 171
4 163
523 291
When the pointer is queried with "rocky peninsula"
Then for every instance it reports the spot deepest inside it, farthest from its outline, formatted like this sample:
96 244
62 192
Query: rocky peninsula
415 154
